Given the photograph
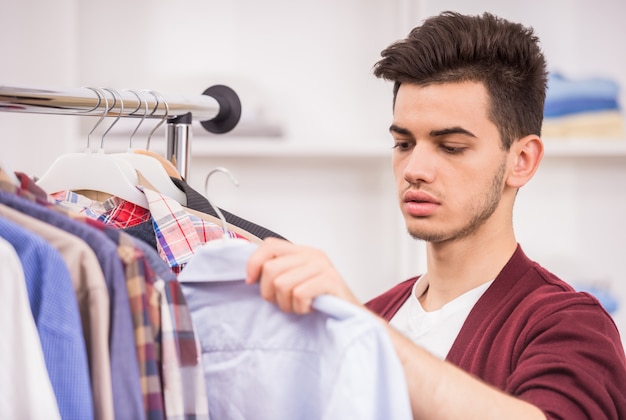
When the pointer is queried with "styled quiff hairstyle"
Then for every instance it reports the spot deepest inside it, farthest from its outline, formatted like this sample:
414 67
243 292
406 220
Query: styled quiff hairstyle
504 56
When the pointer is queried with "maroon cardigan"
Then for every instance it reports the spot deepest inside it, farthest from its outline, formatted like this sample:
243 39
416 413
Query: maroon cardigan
534 337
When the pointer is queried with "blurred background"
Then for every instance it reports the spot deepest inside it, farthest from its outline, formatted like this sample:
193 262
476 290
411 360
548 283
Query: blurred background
312 151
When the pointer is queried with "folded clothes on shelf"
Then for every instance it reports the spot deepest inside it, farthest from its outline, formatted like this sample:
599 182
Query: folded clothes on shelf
590 125
586 107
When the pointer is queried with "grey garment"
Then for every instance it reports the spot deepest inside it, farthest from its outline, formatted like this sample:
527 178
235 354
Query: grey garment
159 266
145 232
197 201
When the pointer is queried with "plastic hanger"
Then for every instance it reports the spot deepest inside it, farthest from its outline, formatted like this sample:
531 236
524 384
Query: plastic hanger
221 259
94 171
149 167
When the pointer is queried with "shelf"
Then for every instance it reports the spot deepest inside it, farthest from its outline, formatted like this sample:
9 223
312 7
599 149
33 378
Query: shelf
281 148
273 147
582 148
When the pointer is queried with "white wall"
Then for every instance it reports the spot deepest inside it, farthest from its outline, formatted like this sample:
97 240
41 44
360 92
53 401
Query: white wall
37 47
579 37
304 69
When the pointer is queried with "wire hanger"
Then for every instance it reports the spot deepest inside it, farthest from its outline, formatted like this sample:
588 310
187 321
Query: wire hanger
213 206
227 236
220 259
94 171
148 166
157 95
167 165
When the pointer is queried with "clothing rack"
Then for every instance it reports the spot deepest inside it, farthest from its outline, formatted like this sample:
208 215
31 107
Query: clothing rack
218 109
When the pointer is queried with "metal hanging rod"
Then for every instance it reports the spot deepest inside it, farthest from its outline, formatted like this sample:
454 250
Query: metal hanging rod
218 108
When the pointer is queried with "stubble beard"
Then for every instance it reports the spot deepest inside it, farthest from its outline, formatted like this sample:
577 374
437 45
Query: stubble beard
479 213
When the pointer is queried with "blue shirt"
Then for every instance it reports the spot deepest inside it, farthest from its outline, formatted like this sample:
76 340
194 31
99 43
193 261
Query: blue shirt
55 311
262 363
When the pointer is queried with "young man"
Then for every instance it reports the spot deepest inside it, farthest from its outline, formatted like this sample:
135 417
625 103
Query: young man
485 333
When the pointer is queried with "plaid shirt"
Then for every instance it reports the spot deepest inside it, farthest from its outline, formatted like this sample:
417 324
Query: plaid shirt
167 347
145 310
178 232
114 211
175 343
185 391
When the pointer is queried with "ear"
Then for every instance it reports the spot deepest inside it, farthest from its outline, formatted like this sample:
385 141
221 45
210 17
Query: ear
525 156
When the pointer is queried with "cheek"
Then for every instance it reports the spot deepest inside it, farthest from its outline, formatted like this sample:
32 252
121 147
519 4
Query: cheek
397 166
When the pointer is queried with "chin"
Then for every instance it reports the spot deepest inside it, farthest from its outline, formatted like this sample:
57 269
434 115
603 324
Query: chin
428 235
421 235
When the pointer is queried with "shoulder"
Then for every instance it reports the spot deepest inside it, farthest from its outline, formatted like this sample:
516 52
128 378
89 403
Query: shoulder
534 336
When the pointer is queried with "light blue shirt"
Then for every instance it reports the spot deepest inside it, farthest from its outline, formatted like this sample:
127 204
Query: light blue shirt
261 363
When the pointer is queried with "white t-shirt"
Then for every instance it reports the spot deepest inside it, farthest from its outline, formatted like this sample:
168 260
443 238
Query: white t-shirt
435 331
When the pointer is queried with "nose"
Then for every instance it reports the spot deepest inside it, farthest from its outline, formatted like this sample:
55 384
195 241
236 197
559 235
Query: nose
420 165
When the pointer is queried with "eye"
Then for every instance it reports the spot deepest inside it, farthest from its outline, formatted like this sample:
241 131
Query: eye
402 145
452 150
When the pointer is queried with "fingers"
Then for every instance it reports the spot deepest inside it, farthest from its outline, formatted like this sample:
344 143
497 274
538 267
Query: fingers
269 248
291 276
290 286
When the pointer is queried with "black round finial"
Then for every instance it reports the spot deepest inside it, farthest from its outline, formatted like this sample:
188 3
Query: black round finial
229 113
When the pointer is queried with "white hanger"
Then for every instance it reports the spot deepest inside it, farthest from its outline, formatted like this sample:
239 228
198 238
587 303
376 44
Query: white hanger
94 171
221 259
148 166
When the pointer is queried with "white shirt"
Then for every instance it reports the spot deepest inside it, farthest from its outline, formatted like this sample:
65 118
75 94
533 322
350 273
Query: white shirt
262 363
25 388
435 330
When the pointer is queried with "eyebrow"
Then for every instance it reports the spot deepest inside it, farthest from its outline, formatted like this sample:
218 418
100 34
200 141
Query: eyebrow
434 133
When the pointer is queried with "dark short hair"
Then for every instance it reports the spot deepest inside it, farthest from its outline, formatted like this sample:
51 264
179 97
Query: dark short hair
505 56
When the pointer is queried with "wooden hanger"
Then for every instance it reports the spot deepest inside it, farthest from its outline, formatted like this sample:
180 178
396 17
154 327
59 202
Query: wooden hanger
151 168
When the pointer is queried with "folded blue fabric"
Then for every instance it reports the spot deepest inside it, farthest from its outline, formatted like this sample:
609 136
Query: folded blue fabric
560 88
574 105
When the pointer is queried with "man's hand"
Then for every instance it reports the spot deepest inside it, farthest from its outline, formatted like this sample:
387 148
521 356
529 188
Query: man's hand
291 276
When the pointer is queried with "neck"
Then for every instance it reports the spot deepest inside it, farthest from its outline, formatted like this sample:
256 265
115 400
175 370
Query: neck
456 267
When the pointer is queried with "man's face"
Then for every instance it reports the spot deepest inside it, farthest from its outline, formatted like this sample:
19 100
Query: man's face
448 161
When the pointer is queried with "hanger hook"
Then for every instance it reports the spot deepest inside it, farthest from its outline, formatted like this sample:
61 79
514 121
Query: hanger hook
101 96
206 187
114 93
142 99
157 95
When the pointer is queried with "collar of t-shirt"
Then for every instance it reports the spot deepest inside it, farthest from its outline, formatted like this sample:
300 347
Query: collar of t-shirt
435 330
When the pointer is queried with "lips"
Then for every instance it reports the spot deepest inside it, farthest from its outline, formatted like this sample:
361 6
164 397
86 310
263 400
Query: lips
419 203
